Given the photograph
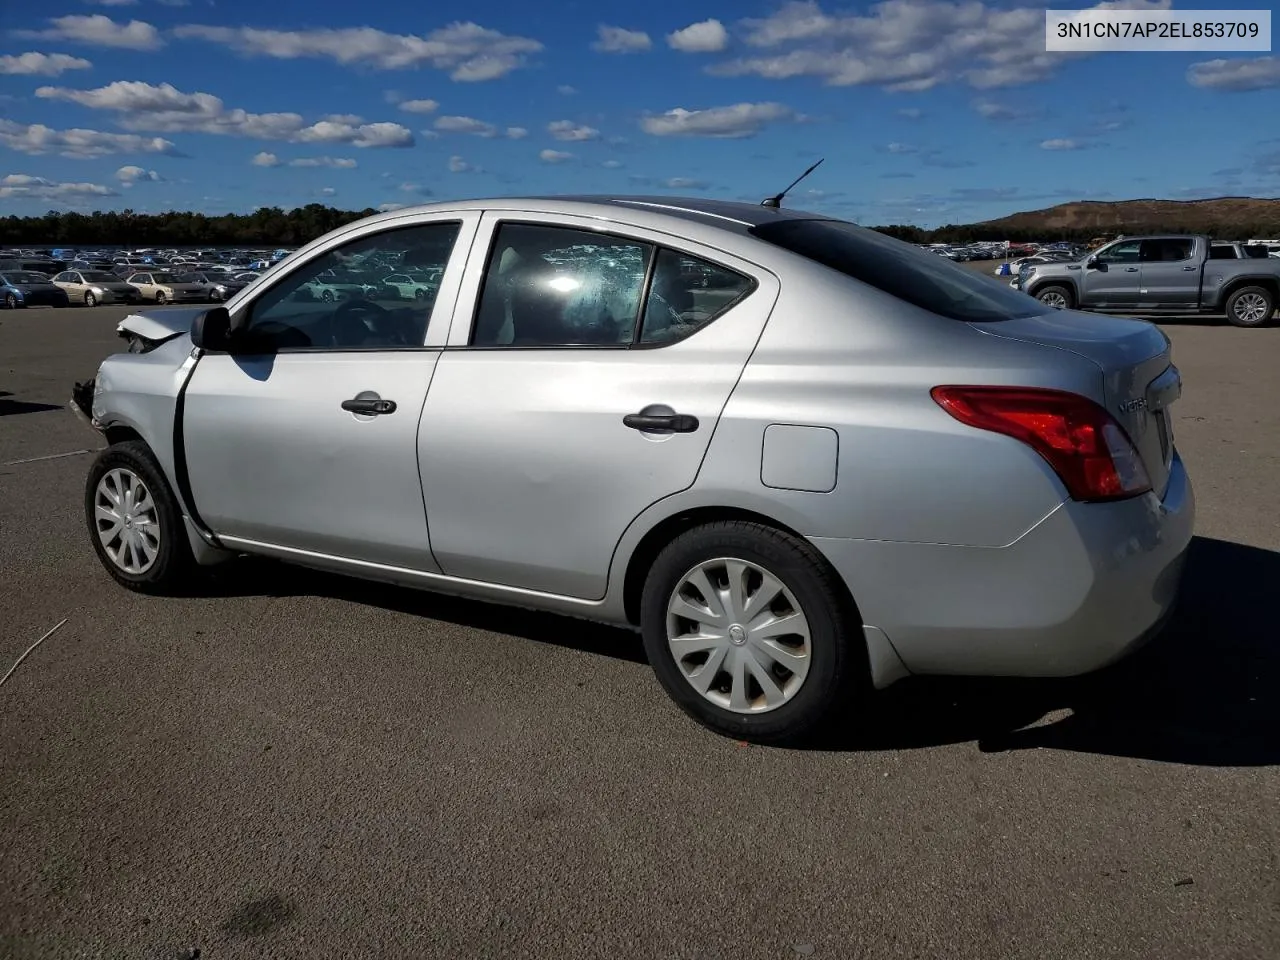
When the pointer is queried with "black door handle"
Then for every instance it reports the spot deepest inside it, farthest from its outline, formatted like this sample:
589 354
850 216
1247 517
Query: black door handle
371 407
669 423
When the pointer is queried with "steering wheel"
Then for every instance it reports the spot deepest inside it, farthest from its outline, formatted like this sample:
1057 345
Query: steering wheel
355 321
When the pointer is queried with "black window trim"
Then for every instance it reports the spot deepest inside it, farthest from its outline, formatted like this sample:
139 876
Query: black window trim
655 248
458 222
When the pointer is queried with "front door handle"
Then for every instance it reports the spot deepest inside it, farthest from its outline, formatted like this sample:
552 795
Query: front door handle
1130 269
1190 268
369 407
661 423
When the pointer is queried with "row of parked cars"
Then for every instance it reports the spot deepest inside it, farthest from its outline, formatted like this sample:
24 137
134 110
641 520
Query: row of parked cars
24 288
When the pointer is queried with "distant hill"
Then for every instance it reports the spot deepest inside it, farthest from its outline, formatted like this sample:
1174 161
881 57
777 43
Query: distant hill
1225 217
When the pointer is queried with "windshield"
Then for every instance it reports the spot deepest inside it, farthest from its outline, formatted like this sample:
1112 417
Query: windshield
97 277
900 269
26 276
164 278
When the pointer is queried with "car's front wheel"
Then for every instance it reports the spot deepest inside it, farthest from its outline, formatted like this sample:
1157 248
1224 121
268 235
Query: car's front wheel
134 520
750 632
90 300
159 296
1056 296
11 301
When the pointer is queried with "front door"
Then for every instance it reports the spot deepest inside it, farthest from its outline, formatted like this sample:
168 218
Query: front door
1112 276
1170 273
305 436
581 386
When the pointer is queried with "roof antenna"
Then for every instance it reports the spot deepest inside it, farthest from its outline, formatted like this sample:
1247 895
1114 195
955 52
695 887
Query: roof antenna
776 201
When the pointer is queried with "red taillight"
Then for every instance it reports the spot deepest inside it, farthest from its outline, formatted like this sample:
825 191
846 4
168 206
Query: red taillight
1087 449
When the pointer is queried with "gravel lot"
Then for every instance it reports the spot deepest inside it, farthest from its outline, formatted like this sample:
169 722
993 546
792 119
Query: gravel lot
299 766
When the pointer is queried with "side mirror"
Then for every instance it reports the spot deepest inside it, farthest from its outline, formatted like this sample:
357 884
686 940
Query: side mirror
211 330
1093 263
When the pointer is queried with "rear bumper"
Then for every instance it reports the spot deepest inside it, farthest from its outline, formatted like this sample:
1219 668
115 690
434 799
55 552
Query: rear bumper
1086 586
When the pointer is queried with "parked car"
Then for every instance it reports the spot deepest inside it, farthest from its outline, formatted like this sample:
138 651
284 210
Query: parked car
166 288
217 287
845 462
25 288
92 287
1159 274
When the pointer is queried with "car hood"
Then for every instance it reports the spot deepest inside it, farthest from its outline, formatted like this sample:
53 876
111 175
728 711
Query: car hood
160 325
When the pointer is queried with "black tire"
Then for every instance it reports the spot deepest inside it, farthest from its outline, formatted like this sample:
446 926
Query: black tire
159 296
174 564
1055 290
1260 299
90 300
11 301
838 674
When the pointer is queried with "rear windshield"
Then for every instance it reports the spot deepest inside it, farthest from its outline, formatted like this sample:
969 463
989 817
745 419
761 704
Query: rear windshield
901 270
95 277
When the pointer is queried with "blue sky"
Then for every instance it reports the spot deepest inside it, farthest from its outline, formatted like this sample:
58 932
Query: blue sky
926 111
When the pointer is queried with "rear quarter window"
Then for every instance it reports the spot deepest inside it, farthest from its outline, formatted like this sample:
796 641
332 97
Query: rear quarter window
900 269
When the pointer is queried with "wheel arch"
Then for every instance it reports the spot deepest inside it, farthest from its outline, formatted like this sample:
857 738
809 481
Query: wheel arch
1270 284
1033 289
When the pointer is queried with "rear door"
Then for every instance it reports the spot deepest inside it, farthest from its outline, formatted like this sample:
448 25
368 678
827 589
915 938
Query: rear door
1170 273
586 370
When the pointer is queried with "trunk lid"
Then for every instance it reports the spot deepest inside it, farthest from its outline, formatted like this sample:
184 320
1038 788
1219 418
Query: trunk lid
1139 380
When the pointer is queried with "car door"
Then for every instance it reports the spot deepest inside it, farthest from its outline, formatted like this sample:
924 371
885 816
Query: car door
1111 277
586 370
142 281
305 437
1170 273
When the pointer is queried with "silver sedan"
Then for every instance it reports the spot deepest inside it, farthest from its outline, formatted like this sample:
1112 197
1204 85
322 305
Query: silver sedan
803 459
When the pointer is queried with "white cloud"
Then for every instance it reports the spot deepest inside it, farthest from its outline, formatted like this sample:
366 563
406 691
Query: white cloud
565 90
906 45
414 188
336 163
349 118
19 186
1061 143
1255 73
911 113
41 64
112 3
994 110
99 31
265 159
469 125
708 36
37 139
419 106
468 51
132 174
554 156
516 133
901 148
569 131
459 165
621 40
164 108
684 183
389 207
328 192
612 164
738 120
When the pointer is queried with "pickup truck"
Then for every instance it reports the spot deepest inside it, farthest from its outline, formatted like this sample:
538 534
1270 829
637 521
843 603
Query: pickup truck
1159 274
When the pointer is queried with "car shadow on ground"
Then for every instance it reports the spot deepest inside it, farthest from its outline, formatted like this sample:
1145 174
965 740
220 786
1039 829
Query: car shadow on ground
11 408
1206 692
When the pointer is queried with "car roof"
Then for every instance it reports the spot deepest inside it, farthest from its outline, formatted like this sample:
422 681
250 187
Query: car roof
735 216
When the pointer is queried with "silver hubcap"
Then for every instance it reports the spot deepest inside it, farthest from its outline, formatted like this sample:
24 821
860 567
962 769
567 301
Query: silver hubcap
738 636
1251 308
126 520
1054 300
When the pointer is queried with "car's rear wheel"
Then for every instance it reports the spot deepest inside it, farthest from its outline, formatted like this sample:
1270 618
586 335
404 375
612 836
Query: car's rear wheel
1250 307
749 631
135 522
1056 296
159 296
90 300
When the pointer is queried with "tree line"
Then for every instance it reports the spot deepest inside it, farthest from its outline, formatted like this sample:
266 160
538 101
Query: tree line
274 226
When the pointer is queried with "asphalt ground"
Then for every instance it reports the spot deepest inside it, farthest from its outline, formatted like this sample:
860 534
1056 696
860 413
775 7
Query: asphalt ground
296 765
